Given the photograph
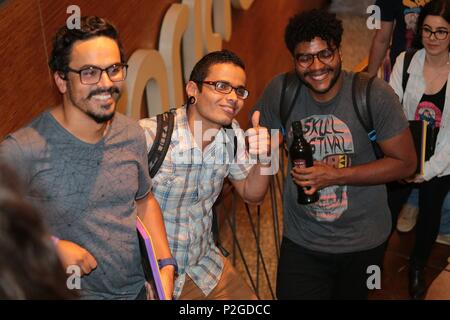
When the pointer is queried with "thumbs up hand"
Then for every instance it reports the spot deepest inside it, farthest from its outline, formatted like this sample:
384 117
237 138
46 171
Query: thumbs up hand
258 140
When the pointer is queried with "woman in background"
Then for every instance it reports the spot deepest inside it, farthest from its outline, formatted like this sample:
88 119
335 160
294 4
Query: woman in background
427 94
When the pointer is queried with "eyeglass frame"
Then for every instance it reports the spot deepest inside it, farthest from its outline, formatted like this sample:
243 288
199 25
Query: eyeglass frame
433 33
79 71
214 83
314 56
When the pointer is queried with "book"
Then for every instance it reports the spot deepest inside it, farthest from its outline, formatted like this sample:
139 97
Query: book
424 138
155 290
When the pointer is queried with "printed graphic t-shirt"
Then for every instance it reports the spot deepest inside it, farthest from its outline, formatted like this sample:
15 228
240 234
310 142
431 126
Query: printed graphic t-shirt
346 218
87 194
430 108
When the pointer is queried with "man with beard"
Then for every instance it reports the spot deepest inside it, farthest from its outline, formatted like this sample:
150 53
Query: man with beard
328 245
86 167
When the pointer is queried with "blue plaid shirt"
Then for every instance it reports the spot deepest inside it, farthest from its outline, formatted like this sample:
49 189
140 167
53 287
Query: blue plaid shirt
186 187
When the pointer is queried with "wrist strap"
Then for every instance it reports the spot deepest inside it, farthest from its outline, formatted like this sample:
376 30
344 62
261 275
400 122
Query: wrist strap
168 261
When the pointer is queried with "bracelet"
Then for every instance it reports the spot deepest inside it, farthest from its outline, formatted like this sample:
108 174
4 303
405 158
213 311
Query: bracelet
168 261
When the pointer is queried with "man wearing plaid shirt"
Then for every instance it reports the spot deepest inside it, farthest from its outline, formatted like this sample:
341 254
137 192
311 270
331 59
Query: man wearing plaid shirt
192 174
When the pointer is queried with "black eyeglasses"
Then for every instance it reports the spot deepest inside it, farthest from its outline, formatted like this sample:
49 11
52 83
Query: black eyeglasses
438 34
306 59
92 75
225 88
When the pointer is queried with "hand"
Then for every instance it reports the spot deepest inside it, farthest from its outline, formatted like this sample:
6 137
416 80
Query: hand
318 176
258 140
416 178
167 279
72 254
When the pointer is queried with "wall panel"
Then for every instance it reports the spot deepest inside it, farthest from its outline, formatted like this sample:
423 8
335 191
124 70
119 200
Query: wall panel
27 28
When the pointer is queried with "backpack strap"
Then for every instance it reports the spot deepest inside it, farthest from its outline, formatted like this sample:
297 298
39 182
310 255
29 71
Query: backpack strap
409 54
361 85
289 93
232 136
164 129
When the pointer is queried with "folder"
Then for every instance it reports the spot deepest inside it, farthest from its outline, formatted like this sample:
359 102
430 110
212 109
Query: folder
149 262
424 138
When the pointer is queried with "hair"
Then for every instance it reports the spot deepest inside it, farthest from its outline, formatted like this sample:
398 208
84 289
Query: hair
201 68
305 26
90 27
439 8
29 265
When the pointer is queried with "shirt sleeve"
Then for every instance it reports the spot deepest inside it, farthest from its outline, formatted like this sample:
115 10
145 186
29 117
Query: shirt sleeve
388 116
12 155
437 164
387 9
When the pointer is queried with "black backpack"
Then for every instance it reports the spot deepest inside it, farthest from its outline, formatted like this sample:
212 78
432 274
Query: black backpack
361 103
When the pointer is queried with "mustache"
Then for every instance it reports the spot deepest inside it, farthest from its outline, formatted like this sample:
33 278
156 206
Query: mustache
317 72
111 91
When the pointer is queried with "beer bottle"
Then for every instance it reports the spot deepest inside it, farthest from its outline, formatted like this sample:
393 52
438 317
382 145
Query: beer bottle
301 156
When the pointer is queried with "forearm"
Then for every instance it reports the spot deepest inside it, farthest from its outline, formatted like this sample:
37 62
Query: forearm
380 44
150 213
377 55
377 172
256 185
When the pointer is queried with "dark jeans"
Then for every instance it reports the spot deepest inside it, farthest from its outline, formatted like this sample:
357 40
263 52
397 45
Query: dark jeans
304 274
431 197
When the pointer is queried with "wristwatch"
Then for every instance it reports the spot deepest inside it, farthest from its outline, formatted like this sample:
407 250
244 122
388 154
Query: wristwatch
168 261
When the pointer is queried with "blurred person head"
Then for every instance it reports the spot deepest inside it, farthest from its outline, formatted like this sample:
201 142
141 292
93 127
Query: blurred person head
313 38
29 265
216 89
89 67
433 27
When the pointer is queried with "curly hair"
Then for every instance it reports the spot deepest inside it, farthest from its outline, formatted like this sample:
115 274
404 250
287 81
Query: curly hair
305 26
90 27
201 68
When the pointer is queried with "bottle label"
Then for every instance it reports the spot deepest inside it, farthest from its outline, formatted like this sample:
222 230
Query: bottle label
300 163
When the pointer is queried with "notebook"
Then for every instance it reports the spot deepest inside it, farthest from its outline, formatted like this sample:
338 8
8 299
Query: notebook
149 263
424 140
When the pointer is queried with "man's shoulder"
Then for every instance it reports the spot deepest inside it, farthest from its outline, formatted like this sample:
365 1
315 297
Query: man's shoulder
276 82
124 124
33 132
148 124
125 121
378 84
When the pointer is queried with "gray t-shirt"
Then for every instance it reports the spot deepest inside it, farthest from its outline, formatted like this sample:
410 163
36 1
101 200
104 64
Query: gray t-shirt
86 193
346 218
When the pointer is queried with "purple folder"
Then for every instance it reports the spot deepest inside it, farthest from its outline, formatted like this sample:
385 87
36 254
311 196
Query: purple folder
149 262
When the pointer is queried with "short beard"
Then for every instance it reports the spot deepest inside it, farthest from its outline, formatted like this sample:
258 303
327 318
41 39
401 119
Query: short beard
100 118
96 117
332 82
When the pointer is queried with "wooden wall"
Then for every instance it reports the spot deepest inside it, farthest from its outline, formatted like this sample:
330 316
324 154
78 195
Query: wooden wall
27 28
